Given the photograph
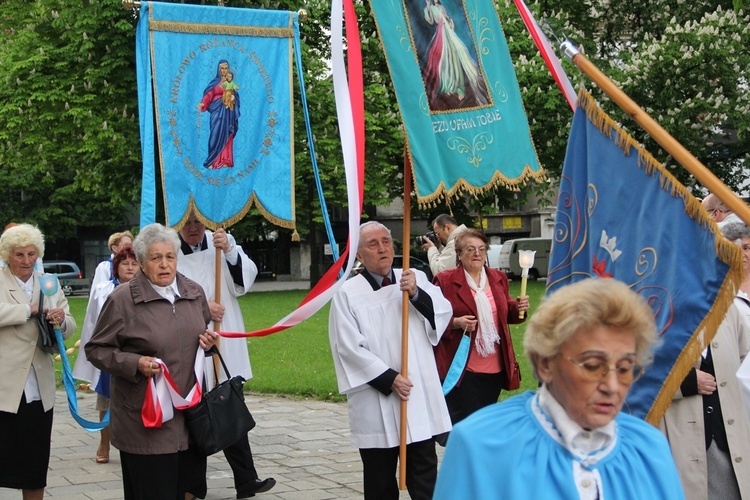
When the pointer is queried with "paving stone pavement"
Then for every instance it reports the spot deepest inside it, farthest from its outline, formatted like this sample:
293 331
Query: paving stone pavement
303 444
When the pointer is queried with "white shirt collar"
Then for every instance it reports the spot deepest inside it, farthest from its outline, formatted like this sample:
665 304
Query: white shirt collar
162 290
26 286
579 441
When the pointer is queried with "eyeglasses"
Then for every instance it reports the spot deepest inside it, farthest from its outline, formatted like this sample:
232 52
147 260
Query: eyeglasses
472 250
594 370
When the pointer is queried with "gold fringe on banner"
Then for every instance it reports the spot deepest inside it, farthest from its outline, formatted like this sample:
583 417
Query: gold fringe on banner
446 195
213 225
726 251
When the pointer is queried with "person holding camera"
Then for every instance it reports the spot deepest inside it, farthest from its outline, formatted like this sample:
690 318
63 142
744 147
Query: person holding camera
446 229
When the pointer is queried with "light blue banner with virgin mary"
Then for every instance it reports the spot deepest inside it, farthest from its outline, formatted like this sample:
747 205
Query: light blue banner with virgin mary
215 95
460 103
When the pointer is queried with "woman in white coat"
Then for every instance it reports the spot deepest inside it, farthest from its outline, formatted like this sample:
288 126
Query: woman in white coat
27 375
707 425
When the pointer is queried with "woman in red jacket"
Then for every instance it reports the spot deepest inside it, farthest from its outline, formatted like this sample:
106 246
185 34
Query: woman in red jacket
482 309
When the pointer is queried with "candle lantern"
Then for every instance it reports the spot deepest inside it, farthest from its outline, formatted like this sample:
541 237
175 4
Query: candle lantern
525 261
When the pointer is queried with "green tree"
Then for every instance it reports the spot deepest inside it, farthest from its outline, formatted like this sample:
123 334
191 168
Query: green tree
69 149
69 139
686 64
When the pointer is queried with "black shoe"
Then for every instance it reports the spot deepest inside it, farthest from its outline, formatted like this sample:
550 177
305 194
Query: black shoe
257 486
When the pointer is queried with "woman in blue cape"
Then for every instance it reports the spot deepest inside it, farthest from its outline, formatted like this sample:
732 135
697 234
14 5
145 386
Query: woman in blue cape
586 344
224 121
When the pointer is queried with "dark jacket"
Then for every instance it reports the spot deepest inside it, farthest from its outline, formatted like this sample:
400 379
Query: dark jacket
455 288
136 321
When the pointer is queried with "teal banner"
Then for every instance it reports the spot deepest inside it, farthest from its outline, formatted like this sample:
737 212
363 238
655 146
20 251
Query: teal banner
458 95
216 83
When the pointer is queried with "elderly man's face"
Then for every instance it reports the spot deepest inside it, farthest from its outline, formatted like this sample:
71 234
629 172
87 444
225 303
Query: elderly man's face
193 231
589 402
161 263
376 250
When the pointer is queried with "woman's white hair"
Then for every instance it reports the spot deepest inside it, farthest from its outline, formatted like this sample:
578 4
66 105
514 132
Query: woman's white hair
151 234
21 235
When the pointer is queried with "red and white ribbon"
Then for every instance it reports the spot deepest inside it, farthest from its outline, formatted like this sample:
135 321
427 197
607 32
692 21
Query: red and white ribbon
351 114
548 54
162 395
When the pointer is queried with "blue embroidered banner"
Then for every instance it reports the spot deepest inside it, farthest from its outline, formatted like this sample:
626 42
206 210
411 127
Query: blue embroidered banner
621 215
216 82
465 124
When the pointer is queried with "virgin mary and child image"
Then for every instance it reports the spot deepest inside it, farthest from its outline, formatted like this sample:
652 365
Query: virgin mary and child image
221 99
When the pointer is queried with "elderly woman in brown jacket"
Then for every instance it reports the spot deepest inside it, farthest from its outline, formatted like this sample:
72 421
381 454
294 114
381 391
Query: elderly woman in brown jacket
157 314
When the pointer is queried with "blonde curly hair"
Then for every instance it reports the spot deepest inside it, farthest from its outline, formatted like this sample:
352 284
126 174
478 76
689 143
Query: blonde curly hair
21 235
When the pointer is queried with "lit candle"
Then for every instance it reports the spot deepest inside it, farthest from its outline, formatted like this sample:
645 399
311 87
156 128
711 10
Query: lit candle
48 283
525 260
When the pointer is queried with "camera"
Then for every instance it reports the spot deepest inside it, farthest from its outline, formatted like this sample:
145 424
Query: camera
432 236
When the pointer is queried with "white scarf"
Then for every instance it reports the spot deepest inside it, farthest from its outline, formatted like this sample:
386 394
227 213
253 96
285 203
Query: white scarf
487 335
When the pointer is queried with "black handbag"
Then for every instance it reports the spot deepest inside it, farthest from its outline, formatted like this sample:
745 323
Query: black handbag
47 338
221 417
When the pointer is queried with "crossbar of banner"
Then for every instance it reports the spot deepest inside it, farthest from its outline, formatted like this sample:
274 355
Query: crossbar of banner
131 4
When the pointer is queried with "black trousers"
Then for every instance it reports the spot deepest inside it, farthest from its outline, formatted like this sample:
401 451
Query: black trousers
163 477
379 466
240 458
476 391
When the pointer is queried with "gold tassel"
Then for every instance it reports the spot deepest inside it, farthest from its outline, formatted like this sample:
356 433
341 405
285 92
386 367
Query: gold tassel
295 236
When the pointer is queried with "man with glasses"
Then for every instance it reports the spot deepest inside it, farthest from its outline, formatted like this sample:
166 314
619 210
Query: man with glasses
447 229
197 261
721 213
364 329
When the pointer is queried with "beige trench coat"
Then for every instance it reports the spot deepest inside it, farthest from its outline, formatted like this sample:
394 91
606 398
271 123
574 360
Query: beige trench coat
18 343
683 422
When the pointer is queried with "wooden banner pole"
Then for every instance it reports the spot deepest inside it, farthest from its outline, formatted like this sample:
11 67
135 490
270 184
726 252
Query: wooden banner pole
217 299
406 243
664 138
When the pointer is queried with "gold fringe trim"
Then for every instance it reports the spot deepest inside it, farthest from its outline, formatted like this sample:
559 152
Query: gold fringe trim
443 194
726 251
289 224
698 341
220 29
